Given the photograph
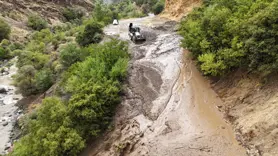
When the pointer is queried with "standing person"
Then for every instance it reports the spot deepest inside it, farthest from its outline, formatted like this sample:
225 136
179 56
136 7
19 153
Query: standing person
130 29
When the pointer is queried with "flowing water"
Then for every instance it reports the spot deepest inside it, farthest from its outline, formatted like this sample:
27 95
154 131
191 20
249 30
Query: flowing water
9 112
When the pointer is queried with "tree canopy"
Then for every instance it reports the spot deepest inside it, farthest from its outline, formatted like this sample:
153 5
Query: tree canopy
225 35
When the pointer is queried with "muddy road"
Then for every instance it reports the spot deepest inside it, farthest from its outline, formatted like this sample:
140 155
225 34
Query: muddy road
169 109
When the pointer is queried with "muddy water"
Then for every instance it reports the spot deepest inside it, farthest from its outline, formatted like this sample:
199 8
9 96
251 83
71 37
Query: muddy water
169 108
204 105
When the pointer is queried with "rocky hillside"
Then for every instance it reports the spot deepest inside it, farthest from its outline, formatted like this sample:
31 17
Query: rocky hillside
176 9
51 9
15 12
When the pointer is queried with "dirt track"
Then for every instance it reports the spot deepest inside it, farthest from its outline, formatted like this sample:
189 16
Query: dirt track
169 109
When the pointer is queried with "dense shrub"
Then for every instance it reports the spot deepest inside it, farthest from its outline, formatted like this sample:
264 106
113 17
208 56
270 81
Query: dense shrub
72 14
225 35
92 34
154 6
71 54
38 55
36 22
5 51
34 58
44 80
62 128
158 7
24 80
50 133
5 30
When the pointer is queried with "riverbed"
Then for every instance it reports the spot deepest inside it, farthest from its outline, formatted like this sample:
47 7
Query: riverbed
9 112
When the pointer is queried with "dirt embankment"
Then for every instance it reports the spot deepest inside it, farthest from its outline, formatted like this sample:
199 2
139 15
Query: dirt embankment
252 107
176 9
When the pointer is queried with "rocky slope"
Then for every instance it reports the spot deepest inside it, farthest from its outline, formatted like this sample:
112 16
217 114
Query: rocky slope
15 12
176 9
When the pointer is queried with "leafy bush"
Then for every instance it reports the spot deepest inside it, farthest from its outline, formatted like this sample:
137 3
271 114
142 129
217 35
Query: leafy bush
36 22
233 34
5 51
36 59
50 133
158 7
62 128
72 14
5 30
16 46
44 35
92 34
71 54
24 80
44 80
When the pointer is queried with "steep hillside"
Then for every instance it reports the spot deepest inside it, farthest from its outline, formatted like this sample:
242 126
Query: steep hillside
176 9
16 12
51 9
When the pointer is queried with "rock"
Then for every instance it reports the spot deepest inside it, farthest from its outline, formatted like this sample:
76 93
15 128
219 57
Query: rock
3 90
15 98
219 107
19 111
5 73
8 146
5 123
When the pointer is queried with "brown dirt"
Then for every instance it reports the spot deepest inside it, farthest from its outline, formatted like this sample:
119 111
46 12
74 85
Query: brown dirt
252 109
169 108
176 9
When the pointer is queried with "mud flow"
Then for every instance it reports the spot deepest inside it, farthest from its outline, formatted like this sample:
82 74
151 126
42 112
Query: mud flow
168 109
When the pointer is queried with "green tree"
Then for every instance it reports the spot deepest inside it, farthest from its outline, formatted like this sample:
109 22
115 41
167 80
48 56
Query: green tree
225 35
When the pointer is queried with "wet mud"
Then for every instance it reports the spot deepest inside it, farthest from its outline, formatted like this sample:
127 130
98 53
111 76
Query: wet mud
168 108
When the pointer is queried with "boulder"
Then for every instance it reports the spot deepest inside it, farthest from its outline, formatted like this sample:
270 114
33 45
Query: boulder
3 90
5 123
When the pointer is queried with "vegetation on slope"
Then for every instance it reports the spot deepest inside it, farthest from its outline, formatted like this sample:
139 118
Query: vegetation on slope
224 35
5 30
63 127
89 77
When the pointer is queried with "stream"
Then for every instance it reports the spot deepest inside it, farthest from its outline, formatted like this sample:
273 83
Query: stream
9 112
